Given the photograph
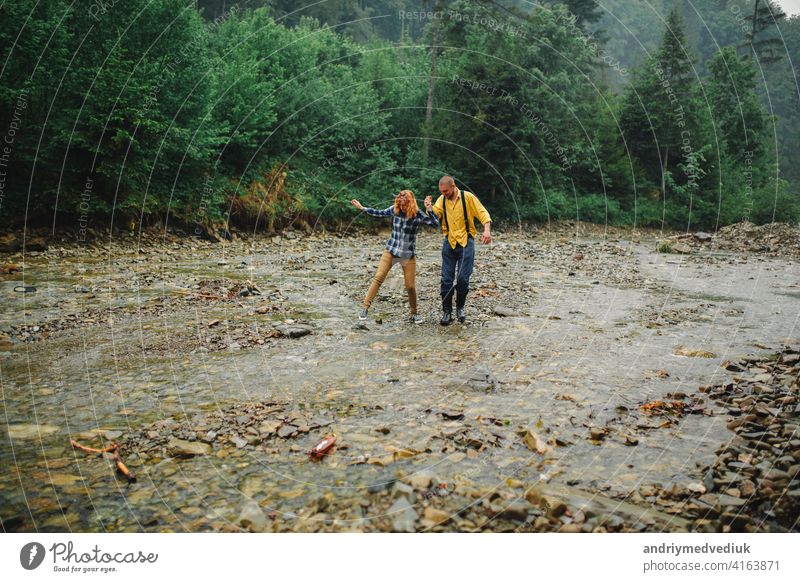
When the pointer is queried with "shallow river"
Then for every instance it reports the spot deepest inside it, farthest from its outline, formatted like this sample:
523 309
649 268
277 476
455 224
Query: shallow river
598 330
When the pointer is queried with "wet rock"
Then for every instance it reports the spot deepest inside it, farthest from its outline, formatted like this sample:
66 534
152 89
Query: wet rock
535 442
480 379
401 489
517 510
729 501
692 353
269 427
380 485
747 488
544 498
776 475
541 524
696 487
238 441
597 433
286 431
294 330
433 517
182 448
403 516
502 311
608 521
421 480
252 517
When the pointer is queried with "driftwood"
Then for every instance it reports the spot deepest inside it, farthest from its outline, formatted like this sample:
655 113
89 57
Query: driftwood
80 447
112 448
121 466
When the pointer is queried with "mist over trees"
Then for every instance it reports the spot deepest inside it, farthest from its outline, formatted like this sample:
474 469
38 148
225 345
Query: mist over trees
267 114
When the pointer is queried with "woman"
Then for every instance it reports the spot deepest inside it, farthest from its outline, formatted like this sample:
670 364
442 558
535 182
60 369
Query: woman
407 218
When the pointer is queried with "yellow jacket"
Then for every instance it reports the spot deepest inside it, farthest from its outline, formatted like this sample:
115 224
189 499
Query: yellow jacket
457 233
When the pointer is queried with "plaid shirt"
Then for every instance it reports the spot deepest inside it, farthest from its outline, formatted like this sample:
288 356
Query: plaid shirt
404 230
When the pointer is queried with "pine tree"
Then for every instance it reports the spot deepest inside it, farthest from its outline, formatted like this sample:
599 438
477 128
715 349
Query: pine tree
739 119
586 12
661 107
762 46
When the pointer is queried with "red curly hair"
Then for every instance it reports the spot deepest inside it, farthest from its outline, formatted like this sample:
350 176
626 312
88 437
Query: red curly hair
411 205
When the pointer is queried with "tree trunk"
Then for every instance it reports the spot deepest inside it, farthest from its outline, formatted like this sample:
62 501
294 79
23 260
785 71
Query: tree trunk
664 174
753 33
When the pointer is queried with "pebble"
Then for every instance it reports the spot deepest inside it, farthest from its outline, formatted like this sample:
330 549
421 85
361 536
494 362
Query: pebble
435 516
401 489
403 516
421 480
252 517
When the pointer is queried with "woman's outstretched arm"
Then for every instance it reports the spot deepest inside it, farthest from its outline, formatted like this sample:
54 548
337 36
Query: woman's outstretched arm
372 211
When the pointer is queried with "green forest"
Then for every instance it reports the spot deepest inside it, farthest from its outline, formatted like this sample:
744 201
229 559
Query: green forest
272 114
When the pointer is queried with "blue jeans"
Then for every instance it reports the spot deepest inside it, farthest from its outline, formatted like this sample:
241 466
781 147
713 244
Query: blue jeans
456 266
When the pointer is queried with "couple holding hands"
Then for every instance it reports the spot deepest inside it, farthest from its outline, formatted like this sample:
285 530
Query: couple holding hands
455 212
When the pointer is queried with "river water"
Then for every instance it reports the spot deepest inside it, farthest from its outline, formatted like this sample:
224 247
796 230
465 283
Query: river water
116 340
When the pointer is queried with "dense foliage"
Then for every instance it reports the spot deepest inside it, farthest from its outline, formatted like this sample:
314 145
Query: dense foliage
268 113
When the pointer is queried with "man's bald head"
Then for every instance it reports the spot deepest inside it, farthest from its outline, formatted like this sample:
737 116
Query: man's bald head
447 186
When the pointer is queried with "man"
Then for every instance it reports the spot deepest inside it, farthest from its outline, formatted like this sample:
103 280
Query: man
457 211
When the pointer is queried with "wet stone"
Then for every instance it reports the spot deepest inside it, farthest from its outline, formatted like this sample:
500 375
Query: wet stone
401 489
403 516
294 330
517 510
507 312
252 517
239 442
286 431
729 500
421 480
182 448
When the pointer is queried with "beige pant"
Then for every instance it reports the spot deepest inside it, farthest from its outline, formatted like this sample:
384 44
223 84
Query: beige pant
409 274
